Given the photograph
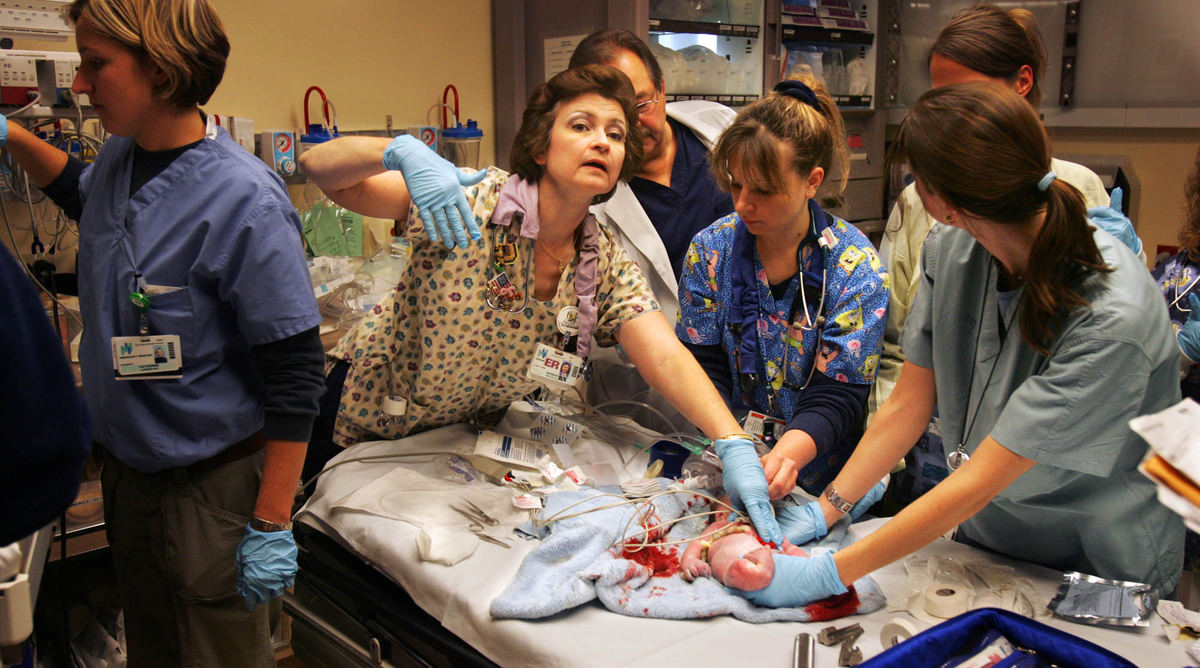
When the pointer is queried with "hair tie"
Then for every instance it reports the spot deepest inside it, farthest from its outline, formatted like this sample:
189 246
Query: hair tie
797 90
1047 180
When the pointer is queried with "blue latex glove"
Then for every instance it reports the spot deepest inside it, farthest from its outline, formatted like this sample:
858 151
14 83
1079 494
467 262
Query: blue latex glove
3 130
1110 219
746 484
435 186
805 523
798 581
266 565
1189 334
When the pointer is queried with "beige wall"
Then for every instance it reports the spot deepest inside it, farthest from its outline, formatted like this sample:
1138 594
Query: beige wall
371 57
1161 159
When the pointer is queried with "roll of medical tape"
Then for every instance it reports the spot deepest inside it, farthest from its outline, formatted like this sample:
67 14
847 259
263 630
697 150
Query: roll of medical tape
395 406
945 601
895 632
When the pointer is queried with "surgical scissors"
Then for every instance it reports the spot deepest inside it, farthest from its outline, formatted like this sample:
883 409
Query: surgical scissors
478 521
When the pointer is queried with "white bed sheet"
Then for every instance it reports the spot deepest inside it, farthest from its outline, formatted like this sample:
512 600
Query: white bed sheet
459 595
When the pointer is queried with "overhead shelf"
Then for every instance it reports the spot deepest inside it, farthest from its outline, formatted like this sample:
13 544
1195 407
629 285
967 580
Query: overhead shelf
728 100
704 28
808 34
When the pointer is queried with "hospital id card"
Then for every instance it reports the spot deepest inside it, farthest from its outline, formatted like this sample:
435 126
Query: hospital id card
147 357
763 425
556 368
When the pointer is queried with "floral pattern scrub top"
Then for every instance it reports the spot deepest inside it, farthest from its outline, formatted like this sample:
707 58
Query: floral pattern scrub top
1178 278
435 342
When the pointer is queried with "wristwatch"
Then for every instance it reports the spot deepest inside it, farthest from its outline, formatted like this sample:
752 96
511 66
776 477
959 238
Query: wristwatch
266 526
839 504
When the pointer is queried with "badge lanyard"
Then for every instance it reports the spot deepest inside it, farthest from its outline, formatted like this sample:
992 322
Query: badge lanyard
140 296
960 456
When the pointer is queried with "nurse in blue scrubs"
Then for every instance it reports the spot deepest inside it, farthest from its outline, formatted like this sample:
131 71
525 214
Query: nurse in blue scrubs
783 304
1038 336
187 243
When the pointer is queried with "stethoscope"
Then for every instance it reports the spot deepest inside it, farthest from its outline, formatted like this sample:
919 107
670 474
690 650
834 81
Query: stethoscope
1180 295
505 254
747 329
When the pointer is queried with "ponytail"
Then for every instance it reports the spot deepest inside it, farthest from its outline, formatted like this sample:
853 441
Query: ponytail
1062 255
980 147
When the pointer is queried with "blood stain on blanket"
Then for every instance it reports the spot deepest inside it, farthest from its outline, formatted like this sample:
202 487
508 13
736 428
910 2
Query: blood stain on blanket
663 563
834 607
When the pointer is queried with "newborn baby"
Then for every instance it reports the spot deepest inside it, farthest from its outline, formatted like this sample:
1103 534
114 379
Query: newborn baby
732 553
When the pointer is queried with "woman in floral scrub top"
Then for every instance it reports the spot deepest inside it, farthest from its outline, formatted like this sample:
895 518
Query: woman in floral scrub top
447 346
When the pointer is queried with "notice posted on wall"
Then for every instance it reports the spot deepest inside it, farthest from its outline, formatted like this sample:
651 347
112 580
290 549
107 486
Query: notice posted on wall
557 52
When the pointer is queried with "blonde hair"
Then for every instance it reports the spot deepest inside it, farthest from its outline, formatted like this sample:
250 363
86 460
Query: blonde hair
815 135
182 38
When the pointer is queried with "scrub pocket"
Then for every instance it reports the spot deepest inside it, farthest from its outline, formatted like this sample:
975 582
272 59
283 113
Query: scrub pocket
205 518
171 313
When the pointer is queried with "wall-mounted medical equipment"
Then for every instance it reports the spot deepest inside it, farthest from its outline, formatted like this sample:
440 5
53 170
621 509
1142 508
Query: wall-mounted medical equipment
277 148
36 19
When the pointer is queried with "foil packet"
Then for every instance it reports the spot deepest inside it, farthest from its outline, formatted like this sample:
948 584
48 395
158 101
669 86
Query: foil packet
1089 599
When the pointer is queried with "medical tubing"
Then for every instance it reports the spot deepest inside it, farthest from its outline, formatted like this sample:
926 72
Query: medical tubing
324 108
640 404
369 458
643 508
12 238
438 105
447 89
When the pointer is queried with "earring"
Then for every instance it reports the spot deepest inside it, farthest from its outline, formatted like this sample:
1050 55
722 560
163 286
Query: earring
950 219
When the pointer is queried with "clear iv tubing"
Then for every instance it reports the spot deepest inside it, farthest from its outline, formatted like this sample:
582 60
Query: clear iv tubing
439 105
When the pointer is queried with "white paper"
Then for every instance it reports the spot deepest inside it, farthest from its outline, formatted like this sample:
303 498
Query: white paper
557 52
1174 434
1173 612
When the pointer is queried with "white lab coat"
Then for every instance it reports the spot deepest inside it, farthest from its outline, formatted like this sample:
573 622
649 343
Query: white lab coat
614 377
632 227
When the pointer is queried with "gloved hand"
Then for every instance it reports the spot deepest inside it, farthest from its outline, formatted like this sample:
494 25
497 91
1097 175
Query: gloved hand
266 565
801 524
3 130
1110 219
746 484
798 581
434 184
1189 334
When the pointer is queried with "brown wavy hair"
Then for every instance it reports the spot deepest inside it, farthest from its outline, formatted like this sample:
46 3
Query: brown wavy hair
1189 236
533 137
817 139
981 148
995 43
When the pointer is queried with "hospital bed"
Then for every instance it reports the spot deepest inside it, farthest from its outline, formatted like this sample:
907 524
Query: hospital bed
363 597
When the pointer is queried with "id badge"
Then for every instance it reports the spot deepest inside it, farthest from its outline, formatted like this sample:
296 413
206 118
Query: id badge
147 357
556 368
762 425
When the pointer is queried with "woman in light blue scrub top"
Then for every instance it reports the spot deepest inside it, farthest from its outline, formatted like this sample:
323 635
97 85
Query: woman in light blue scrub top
1039 337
